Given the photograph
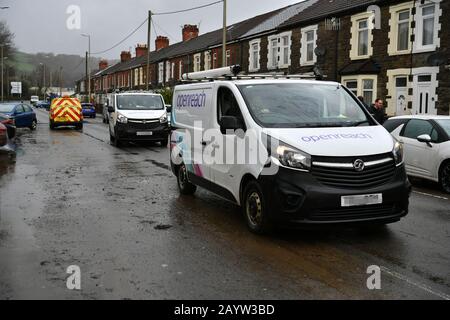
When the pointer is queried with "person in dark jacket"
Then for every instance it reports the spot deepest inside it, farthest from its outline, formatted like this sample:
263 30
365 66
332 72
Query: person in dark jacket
378 112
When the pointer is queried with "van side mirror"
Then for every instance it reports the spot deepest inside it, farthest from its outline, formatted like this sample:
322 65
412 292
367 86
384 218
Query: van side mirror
169 109
110 109
230 123
425 138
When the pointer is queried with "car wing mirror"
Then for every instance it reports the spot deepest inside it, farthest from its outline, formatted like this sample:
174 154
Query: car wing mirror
425 138
110 109
169 109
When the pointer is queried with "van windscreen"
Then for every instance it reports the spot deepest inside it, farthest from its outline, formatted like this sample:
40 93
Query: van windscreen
139 102
302 105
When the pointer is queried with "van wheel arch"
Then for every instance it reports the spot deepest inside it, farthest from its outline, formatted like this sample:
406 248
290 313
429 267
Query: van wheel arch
244 182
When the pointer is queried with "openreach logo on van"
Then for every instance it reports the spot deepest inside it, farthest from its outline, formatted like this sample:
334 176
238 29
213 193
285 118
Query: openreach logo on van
359 136
193 100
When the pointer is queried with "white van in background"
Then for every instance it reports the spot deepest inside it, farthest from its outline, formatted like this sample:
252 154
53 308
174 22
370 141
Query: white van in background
34 100
137 117
326 159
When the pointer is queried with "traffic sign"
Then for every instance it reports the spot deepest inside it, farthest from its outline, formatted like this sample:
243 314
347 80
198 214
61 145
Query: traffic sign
16 87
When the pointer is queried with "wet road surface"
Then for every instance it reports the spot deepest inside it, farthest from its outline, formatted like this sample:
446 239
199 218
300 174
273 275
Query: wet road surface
70 198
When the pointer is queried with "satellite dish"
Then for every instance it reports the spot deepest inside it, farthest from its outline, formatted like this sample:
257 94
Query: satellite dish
320 51
437 59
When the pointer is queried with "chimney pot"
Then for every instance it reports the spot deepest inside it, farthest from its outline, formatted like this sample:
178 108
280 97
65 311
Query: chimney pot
190 32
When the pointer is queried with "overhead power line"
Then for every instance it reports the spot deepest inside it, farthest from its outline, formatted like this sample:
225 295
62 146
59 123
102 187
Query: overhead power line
186 10
125 39
157 14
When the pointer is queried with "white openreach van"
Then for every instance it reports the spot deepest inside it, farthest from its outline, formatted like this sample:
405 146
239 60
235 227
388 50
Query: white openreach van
287 151
137 116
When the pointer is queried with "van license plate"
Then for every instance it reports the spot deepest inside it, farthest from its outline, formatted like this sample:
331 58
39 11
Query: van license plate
147 133
363 200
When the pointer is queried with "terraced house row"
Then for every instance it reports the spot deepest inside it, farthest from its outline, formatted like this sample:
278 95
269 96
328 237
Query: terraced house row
395 50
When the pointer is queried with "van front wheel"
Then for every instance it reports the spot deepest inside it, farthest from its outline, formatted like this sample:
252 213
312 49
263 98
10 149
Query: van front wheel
255 209
184 185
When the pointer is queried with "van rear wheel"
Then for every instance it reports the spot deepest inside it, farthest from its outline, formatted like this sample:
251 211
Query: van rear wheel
255 209
184 185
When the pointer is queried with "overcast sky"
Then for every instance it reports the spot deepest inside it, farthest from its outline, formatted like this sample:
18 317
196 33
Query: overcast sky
40 25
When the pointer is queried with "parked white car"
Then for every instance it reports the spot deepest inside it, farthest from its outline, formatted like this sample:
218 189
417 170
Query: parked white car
426 143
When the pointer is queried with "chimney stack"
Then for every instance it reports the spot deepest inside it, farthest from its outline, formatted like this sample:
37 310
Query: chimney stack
190 32
161 43
141 50
125 56
103 64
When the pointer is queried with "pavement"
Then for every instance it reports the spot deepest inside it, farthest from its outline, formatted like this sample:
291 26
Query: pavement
70 198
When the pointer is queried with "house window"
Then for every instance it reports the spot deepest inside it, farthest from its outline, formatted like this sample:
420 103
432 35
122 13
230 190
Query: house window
172 69
168 72
280 51
403 31
427 26
308 42
273 54
161 72
361 36
207 60
362 85
215 60
254 55
180 74
228 61
197 62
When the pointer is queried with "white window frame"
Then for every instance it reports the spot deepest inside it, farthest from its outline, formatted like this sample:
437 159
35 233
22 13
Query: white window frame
180 70
279 64
172 71
161 72
418 47
197 62
304 46
251 66
228 58
394 23
168 70
214 61
360 87
354 39
207 60
141 76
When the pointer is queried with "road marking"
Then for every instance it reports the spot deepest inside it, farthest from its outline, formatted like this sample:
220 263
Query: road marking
431 195
415 284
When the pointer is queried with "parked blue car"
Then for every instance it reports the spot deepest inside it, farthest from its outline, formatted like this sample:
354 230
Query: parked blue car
22 113
88 110
43 105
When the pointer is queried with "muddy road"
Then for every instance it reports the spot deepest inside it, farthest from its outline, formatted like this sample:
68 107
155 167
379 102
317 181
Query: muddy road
70 198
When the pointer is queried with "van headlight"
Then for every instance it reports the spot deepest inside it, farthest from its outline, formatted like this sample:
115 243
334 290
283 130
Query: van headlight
398 153
291 157
122 119
163 119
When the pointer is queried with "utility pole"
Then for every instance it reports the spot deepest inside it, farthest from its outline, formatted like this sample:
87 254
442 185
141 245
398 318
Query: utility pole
2 70
224 46
86 79
88 71
149 34
60 81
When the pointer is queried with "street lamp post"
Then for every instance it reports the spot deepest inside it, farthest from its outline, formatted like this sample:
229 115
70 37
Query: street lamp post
88 68
224 45
43 78
2 69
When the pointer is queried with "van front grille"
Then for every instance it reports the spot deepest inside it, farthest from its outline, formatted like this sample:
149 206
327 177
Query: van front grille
347 214
340 172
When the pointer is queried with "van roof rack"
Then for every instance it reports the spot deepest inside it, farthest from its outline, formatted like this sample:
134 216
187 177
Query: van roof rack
234 73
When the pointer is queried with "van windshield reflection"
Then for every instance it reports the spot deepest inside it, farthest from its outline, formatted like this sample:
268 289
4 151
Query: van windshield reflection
301 105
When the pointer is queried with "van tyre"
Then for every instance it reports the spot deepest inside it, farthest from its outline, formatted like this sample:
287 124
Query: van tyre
79 127
255 209
52 126
444 177
113 140
184 185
